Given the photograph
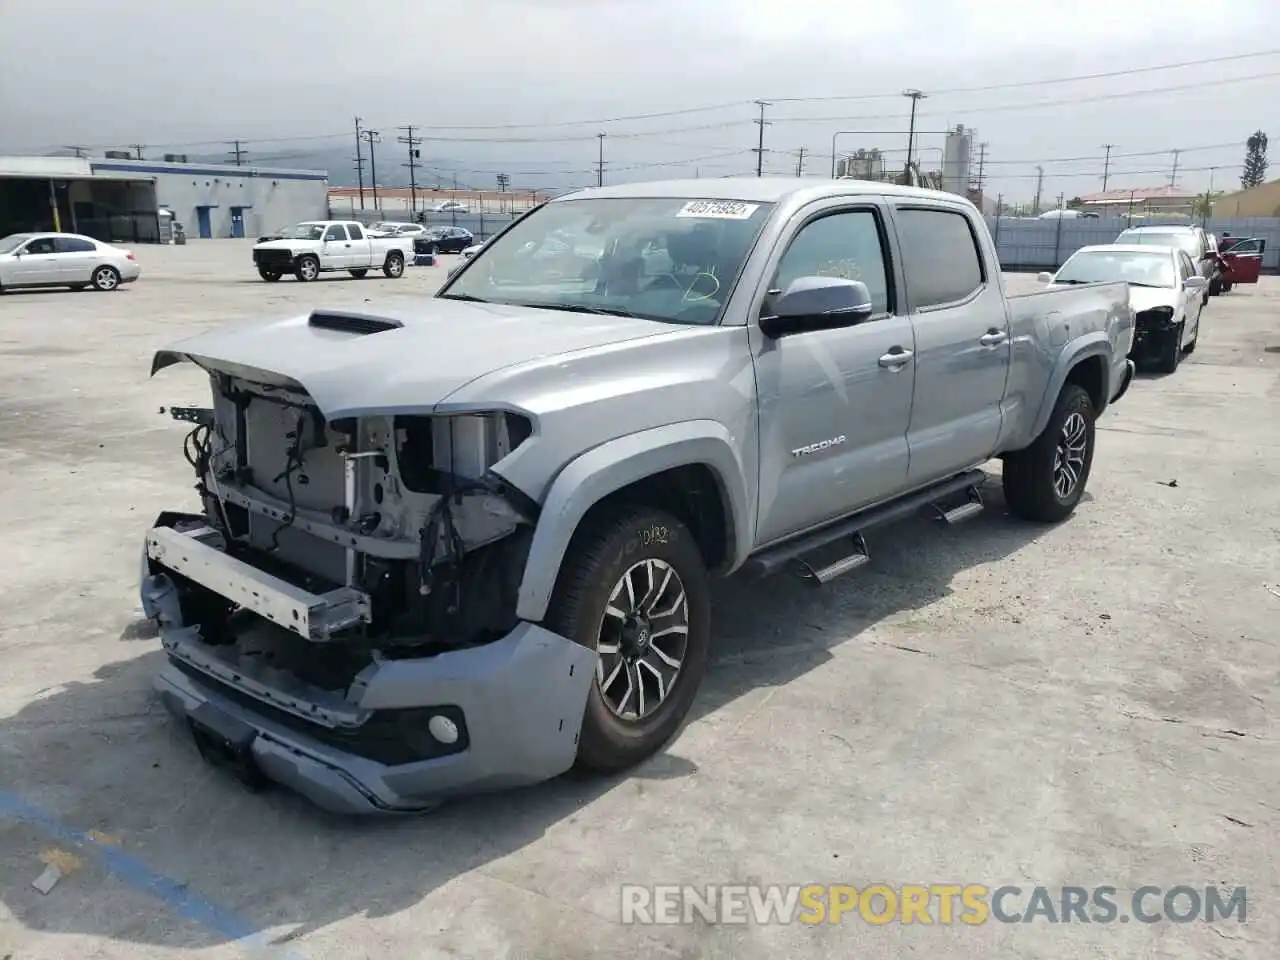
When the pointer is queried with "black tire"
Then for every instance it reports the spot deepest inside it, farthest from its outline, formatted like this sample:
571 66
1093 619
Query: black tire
105 279
1215 286
1190 348
360 273
393 268
271 276
1029 474
1226 286
307 268
1170 351
609 545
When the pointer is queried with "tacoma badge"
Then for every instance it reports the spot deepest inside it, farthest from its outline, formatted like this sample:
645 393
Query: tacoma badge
818 447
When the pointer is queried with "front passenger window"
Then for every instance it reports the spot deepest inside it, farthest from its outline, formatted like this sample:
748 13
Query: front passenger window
844 245
335 233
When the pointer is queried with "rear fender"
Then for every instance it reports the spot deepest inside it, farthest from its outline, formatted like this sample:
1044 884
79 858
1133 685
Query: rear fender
594 475
1094 344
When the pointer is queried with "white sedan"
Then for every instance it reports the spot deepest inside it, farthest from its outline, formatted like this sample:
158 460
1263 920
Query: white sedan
64 260
1165 291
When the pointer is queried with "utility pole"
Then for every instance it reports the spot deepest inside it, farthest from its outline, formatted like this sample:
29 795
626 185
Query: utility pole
600 162
982 162
1035 211
916 96
800 163
759 148
371 137
414 154
1106 164
1173 177
137 150
238 152
359 162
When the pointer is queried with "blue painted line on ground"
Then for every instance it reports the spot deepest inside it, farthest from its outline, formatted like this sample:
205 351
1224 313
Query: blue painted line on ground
173 893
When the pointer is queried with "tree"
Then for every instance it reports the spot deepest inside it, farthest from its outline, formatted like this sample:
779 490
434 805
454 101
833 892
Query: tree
1075 203
1255 160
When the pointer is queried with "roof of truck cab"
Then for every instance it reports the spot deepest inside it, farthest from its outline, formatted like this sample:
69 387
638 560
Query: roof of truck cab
758 189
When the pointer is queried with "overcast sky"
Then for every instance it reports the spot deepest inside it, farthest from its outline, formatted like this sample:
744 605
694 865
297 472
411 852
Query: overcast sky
289 75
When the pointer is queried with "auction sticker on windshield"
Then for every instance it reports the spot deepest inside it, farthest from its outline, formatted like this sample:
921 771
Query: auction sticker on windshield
718 209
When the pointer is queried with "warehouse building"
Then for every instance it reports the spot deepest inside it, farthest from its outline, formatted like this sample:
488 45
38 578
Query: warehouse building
126 199
1260 201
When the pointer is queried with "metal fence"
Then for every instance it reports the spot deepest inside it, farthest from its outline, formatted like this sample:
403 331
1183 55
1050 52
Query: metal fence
1025 244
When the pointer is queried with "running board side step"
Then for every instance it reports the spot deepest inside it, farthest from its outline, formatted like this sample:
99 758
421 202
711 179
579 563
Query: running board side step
791 552
970 508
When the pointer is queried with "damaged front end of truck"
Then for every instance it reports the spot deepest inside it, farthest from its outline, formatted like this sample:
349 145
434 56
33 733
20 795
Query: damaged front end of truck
341 615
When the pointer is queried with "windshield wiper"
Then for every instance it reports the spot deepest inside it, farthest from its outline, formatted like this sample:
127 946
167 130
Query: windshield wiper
467 297
1139 283
581 308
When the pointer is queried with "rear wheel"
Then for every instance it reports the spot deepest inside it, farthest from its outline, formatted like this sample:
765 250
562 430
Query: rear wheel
105 279
307 269
271 276
360 273
394 265
1046 480
634 588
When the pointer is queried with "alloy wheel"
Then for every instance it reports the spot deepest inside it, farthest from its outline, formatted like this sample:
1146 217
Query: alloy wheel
1068 459
642 640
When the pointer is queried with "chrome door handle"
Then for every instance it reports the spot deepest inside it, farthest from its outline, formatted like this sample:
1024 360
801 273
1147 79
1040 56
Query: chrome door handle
993 338
896 359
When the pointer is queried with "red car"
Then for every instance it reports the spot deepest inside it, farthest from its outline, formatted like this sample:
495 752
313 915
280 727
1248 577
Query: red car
1243 256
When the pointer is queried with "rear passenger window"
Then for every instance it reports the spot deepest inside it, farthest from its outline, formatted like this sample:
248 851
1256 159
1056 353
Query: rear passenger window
73 245
839 245
356 232
939 255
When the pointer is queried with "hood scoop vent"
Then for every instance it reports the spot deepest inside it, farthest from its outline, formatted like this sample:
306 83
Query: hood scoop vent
358 323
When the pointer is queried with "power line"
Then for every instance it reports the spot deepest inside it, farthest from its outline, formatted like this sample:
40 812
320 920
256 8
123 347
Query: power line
414 154
238 152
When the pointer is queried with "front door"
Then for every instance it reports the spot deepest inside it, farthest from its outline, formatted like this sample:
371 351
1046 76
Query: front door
237 221
1191 301
38 263
336 251
962 342
1244 260
202 223
834 404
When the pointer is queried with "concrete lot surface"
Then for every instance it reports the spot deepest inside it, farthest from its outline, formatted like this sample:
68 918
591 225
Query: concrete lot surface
1089 704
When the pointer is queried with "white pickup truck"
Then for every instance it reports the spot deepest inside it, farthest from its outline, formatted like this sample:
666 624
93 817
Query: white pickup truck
308 249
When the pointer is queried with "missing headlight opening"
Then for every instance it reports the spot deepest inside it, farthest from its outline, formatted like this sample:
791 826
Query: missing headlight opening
396 523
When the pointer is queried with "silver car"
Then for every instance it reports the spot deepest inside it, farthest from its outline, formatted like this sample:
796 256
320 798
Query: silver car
64 260
1165 291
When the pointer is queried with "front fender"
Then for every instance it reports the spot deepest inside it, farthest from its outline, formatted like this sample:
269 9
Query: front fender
1096 344
594 475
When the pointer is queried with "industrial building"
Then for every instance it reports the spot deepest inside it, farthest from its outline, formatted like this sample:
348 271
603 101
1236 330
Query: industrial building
122 199
1260 201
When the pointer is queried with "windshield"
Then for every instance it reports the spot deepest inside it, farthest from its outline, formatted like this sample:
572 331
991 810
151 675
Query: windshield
1154 269
14 241
668 259
302 231
1182 239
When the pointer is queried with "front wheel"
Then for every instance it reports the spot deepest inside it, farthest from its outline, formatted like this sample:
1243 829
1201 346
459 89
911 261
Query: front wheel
1046 480
105 279
271 276
307 269
360 273
394 266
1170 351
634 588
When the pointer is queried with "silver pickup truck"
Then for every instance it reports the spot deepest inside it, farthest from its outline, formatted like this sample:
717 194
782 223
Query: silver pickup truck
467 545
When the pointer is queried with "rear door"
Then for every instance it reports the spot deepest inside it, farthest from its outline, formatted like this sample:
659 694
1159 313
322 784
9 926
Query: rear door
76 258
361 247
1192 300
962 340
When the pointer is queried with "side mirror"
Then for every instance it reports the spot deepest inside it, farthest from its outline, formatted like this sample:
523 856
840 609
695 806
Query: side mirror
1045 277
817 303
1195 283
